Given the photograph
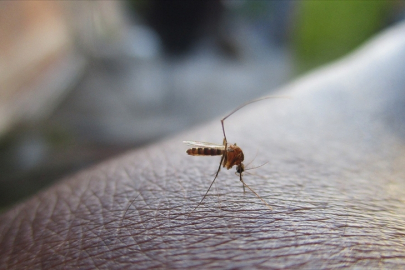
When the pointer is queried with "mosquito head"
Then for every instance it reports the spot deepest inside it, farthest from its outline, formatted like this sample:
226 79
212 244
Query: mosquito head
240 168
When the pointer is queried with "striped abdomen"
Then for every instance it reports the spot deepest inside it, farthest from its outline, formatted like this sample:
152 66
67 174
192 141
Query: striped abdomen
205 151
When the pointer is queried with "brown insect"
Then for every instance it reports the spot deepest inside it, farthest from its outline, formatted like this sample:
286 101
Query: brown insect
232 155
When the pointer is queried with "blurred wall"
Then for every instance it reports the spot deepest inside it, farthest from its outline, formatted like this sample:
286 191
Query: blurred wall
43 48
33 35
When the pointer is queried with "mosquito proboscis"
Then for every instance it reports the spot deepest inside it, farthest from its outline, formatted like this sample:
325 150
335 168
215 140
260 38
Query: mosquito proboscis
231 154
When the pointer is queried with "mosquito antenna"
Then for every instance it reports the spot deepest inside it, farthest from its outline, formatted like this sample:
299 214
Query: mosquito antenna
257 195
243 105
216 175
248 169
257 166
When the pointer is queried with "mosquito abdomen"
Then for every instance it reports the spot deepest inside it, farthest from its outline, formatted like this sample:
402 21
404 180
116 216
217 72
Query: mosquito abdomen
204 151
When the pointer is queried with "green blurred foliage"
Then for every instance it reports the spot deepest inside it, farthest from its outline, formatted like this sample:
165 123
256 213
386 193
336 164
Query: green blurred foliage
326 30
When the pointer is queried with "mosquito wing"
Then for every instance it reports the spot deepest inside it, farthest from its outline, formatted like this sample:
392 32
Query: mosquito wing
205 145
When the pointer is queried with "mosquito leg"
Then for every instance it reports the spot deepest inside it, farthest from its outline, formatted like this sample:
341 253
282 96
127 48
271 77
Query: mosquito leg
236 173
243 184
257 195
216 175
223 130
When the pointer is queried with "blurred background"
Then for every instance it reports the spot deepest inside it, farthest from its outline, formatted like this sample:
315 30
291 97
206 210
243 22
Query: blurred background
81 81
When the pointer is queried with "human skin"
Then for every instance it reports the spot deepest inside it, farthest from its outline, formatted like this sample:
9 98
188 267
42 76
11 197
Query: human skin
335 181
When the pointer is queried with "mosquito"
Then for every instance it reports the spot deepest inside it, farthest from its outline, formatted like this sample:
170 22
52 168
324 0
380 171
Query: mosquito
231 154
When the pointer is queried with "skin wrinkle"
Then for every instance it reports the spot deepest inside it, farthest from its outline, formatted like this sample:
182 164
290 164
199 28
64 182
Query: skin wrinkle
9 249
139 244
47 220
28 233
77 230
61 233
50 245
9 232
95 244
170 217
134 240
